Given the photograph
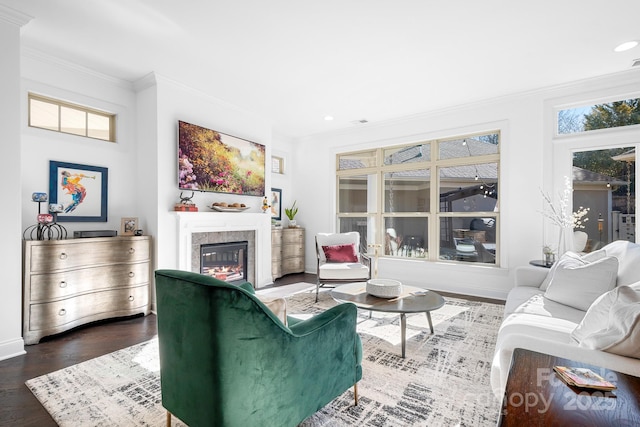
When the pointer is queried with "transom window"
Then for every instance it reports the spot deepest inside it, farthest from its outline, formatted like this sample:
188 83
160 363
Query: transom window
277 164
60 116
625 112
433 200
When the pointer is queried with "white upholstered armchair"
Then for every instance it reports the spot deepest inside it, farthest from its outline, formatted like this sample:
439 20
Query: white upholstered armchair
340 259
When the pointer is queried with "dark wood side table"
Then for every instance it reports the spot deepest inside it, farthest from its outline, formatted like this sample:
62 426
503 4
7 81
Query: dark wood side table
536 396
540 263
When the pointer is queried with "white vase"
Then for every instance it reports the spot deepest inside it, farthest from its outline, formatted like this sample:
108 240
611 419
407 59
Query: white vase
565 240
292 223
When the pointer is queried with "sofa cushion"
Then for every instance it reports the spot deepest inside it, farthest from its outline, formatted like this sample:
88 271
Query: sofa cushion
578 285
538 305
568 258
628 255
343 271
277 305
612 323
341 253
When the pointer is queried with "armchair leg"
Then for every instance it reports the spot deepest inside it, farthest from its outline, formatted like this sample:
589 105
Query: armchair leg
355 394
168 419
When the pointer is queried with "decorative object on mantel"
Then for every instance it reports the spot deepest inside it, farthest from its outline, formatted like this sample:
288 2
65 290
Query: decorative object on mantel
186 204
229 207
265 204
291 214
561 216
47 228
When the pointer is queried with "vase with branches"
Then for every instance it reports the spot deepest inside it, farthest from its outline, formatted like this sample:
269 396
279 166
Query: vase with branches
561 215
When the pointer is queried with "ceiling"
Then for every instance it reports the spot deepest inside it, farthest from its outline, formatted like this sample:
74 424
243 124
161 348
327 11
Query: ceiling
293 62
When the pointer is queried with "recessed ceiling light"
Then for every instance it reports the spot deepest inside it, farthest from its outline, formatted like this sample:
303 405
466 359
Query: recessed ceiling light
328 118
626 46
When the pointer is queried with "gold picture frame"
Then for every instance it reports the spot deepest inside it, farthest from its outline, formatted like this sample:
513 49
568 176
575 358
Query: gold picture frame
128 226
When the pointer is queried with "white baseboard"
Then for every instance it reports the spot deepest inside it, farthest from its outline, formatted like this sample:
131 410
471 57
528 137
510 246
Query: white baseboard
12 348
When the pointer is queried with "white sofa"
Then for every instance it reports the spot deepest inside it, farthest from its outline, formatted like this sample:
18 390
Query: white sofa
533 321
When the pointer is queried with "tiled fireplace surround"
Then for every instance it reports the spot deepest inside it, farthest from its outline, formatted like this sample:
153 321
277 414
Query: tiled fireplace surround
196 228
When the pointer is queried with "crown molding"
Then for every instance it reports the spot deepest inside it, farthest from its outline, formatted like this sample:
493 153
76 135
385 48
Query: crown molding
13 16
38 55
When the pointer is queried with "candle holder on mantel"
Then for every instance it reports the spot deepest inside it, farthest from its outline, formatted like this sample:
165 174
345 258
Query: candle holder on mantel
47 228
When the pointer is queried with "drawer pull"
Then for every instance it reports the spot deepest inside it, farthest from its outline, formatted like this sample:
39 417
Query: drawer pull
131 298
131 251
132 274
63 284
63 256
62 312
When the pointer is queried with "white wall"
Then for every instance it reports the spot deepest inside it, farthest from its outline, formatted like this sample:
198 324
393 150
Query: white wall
42 75
143 167
284 146
11 343
525 168
158 135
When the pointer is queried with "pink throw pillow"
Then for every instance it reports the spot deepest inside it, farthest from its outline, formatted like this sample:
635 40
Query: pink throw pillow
341 253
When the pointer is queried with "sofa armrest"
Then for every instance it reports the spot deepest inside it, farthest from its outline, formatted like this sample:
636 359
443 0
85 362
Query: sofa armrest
321 320
527 275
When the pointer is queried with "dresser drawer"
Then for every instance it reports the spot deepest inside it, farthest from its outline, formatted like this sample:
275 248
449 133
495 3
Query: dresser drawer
54 314
276 237
292 251
66 254
50 286
293 236
293 265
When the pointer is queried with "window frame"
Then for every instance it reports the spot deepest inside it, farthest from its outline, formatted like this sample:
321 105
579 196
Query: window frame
111 117
433 215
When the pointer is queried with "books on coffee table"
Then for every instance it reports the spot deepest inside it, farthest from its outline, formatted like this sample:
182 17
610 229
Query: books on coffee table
583 377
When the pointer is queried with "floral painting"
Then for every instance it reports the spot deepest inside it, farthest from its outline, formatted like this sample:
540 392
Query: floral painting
209 160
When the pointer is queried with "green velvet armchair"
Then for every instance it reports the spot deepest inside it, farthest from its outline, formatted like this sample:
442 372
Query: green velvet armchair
227 360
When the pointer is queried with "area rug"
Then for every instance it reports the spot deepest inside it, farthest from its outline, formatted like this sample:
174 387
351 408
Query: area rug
444 379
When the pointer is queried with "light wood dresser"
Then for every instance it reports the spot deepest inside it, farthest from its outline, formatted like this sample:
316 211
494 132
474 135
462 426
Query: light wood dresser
287 251
71 282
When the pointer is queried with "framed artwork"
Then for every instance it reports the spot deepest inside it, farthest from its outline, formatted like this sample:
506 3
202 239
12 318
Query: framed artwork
81 190
128 226
276 205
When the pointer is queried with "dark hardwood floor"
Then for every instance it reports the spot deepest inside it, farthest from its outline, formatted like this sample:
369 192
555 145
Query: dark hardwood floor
18 406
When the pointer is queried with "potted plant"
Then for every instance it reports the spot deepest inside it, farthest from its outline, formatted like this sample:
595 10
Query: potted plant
291 213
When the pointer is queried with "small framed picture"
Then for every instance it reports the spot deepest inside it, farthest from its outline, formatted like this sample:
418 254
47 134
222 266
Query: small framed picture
276 205
128 226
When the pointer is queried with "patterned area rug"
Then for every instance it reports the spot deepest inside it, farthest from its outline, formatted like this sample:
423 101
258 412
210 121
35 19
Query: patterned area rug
444 380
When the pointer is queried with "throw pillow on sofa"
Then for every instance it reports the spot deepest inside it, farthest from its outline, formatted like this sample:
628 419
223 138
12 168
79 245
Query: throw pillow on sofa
612 323
573 259
579 285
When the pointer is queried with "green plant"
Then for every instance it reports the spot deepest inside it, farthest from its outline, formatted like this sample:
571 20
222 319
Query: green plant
292 211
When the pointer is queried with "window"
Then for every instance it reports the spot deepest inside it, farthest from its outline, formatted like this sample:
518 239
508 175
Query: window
614 114
435 200
277 165
60 116
604 182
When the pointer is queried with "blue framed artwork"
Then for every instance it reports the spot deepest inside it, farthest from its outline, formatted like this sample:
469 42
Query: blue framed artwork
80 189
276 204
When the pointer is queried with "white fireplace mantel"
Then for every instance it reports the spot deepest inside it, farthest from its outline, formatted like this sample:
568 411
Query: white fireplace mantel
205 222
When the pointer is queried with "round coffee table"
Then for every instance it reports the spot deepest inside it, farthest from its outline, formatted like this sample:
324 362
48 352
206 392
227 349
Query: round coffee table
412 300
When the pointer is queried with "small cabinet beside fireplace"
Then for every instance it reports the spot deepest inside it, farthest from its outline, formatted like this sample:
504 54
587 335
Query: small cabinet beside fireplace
287 249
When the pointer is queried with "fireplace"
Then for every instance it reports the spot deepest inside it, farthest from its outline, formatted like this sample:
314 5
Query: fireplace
225 261
199 228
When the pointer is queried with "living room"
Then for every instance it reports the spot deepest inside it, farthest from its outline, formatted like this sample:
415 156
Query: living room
143 168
